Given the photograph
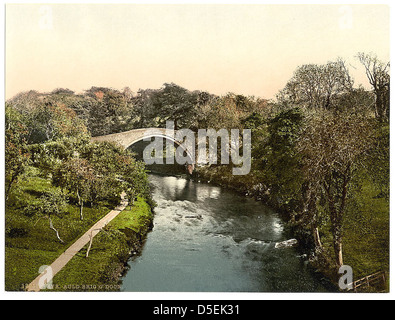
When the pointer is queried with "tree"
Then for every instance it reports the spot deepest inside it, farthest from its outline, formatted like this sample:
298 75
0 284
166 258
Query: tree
110 111
135 179
51 121
62 91
26 101
80 104
177 104
116 171
50 204
281 156
47 156
333 147
223 112
317 86
143 113
17 156
77 176
258 125
379 78
107 160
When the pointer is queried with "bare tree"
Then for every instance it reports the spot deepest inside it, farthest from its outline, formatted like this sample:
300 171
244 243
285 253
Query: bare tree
316 86
332 146
379 78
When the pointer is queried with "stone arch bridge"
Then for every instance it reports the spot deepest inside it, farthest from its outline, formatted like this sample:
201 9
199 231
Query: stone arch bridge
128 138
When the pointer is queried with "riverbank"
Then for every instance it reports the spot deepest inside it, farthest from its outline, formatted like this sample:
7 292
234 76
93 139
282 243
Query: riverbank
111 249
366 231
30 243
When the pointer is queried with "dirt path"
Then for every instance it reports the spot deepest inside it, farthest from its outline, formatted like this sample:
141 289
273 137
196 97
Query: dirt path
47 275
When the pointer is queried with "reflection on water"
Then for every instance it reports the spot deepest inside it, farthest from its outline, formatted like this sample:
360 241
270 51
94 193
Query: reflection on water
206 238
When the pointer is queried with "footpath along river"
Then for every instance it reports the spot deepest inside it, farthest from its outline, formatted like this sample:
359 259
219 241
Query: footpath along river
208 239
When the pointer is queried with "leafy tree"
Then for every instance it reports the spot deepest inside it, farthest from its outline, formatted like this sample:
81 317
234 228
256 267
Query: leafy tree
109 113
50 204
317 86
50 122
80 104
107 161
17 156
282 172
143 113
223 112
357 101
62 91
25 102
176 104
259 135
135 179
103 156
117 168
153 107
76 175
47 156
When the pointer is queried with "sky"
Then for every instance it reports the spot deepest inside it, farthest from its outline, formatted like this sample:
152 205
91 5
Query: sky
250 49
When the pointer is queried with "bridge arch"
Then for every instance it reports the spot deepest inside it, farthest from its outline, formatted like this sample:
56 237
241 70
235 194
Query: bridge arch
128 138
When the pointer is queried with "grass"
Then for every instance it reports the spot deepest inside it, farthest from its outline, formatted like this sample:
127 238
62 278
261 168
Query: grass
109 253
22 266
29 242
366 232
137 217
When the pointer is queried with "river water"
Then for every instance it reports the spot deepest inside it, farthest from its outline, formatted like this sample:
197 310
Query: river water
208 239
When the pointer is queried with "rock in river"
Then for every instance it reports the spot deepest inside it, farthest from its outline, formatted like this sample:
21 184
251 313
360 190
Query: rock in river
286 244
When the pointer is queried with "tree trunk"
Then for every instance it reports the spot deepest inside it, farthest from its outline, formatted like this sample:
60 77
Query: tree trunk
7 193
81 203
379 106
12 180
81 208
311 207
336 223
317 238
90 243
56 231
338 247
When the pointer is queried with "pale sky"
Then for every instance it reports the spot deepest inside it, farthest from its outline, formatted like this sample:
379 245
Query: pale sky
245 49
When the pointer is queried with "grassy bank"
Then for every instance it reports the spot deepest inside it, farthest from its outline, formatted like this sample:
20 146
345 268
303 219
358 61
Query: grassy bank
110 250
30 243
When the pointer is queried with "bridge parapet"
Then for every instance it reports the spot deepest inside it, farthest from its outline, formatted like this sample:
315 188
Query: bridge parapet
128 138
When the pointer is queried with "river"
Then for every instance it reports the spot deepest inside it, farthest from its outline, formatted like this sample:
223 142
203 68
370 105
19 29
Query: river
208 239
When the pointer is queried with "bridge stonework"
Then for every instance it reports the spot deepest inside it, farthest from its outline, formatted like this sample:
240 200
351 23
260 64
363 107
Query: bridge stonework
128 138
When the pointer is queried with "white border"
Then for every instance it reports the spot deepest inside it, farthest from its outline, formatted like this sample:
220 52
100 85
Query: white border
189 295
